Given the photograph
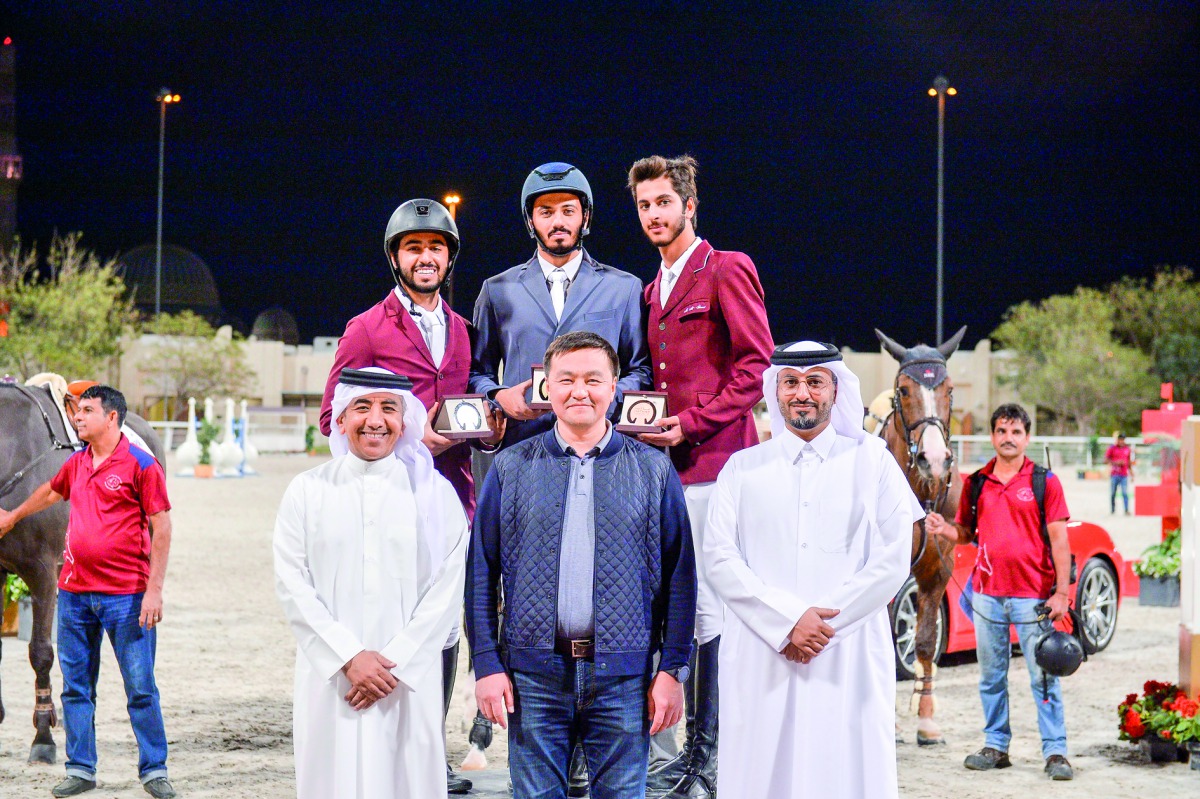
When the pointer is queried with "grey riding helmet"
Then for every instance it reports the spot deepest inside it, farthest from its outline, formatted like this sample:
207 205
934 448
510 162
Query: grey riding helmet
421 216
555 177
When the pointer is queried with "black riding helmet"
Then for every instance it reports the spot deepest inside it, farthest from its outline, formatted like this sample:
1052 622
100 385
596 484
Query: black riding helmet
420 216
1058 653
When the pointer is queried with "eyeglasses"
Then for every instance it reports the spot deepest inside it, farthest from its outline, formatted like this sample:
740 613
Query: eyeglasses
814 384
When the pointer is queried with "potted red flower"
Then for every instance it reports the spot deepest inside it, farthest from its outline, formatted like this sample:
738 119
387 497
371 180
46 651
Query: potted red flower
1156 721
1181 723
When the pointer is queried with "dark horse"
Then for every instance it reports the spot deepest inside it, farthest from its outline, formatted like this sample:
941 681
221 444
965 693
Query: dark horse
917 432
34 444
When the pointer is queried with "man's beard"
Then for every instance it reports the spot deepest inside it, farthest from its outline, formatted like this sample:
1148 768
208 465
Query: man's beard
675 230
571 246
413 288
806 422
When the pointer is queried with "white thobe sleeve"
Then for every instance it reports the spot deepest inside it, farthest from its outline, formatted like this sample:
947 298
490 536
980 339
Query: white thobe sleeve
769 611
326 643
415 648
886 565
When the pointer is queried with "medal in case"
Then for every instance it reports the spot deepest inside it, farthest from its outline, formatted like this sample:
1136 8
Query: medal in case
463 416
539 393
641 410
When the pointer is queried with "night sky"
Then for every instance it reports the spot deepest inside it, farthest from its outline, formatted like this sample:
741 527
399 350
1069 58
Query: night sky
1071 147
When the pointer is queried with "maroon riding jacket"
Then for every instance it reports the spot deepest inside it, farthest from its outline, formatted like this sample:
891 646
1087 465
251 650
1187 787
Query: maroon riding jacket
386 335
710 346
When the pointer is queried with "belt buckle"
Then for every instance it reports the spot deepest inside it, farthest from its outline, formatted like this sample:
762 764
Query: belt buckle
581 647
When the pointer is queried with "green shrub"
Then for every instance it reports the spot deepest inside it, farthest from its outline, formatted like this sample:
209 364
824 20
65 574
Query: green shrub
206 435
1160 560
15 589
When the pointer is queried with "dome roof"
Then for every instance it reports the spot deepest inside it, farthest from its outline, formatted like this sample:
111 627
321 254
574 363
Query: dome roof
276 324
187 283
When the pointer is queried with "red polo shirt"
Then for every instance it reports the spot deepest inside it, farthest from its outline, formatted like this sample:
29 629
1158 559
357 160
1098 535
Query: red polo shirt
1013 559
1119 456
108 539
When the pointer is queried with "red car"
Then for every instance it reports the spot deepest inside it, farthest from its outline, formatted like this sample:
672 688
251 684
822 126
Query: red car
1103 578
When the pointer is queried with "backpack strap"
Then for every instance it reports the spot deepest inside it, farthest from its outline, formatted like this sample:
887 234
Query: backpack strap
974 490
1039 493
1038 481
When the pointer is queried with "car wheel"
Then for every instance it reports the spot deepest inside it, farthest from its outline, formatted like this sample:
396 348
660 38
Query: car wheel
1096 595
903 614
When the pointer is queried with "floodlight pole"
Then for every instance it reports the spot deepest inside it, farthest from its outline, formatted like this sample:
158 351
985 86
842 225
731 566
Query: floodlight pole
941 87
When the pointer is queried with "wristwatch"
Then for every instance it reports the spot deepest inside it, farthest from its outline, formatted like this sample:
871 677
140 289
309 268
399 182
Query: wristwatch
680 674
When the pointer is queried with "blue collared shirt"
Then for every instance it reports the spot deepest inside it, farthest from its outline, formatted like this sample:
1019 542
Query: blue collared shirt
577 555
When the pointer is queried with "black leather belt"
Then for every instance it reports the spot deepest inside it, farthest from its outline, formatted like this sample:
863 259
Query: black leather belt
576 648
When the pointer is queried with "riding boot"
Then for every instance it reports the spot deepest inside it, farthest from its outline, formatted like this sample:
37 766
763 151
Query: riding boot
664 776
700 781
455 783
577 779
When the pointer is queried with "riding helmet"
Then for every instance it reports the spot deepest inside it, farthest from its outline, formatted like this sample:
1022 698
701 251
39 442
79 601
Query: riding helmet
554 177
421 216
1058 653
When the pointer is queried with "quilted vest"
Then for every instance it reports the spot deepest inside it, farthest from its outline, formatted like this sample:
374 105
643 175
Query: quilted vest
629 483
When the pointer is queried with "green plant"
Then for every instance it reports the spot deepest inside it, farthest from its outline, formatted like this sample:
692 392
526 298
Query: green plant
1187 723
68 311
195 359
1160 560
15 589
310 437
1163 711
206 435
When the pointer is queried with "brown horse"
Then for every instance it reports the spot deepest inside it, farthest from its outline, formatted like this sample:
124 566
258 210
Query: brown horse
35 443
917 432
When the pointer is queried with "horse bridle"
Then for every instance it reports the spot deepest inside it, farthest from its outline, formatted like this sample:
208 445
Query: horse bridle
56 442
911 441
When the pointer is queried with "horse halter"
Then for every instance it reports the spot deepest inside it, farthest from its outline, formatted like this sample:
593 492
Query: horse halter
930 373
56 443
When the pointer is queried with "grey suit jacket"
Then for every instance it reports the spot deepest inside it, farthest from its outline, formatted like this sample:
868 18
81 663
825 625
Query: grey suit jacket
514 322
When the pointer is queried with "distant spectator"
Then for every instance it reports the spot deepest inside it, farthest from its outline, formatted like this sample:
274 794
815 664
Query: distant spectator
1121 458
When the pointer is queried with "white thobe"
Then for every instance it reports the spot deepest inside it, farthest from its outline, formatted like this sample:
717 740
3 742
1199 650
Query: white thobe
792 527
353 573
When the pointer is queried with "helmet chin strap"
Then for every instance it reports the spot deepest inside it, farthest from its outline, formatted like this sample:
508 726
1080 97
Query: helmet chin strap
578 246
541 245
405 290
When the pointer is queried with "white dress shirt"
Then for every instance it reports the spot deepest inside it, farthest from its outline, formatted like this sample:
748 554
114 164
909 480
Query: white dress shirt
670 274
432 324
569 270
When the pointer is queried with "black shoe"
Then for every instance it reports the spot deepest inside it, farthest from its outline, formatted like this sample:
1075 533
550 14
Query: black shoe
455 782
987 759
1058 768
159 788
73 786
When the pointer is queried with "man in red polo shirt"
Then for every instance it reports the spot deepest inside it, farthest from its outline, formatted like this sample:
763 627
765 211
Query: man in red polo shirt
115 560
1014 573
1121 458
